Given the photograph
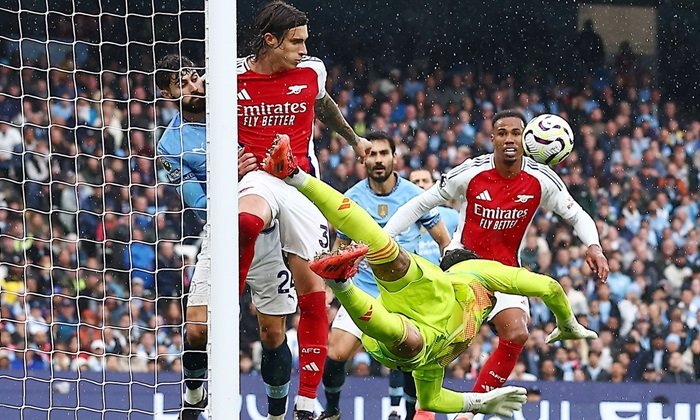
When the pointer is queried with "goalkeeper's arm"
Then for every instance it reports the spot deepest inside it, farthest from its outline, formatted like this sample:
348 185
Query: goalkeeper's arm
433 397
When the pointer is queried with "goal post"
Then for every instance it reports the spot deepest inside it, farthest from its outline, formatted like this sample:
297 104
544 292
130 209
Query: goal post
222 132
97 248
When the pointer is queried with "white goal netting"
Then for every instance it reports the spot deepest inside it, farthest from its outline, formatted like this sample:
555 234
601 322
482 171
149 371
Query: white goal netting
96 251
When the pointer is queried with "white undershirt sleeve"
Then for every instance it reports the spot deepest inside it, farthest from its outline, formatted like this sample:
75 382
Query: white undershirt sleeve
585 227
410 212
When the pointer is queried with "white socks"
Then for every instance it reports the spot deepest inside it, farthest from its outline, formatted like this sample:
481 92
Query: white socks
193 396
305 404
297 179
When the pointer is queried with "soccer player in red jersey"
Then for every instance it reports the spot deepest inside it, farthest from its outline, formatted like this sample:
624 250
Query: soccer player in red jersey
281 90
500 193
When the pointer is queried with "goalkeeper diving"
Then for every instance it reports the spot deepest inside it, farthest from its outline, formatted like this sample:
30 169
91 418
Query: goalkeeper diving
424 317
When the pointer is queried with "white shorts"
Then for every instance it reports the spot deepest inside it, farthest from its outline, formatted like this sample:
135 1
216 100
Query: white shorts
303 229
343 322
269 278
506 301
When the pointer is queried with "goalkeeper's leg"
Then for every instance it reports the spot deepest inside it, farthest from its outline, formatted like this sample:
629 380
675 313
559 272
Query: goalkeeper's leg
389 263
401 337
385 256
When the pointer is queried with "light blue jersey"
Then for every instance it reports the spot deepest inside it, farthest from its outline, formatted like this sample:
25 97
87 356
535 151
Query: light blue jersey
427 247
381 208
182 152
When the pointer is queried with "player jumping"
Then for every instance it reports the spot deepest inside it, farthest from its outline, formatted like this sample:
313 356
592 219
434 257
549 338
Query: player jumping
424 317
499 195
282 89
381 194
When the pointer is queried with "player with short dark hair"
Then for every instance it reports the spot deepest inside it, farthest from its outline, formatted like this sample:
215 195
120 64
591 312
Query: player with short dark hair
424 317
182 153
381 194
499 194
283 89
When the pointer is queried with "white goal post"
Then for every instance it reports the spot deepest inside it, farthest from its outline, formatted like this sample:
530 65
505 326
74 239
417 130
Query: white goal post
222 132
97 248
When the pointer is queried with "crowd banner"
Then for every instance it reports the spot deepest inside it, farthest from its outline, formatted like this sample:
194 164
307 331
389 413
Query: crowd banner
362 398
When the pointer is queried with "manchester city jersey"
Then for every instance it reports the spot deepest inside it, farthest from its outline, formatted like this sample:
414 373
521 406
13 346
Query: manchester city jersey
182 152
381 208
427 247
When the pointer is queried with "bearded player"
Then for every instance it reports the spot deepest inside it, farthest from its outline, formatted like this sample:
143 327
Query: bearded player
499 194
281 90
424 317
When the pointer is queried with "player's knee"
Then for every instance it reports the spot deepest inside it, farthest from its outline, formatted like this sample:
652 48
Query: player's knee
272 336
411 346
338 354
517 335
250 227
305 280
196 334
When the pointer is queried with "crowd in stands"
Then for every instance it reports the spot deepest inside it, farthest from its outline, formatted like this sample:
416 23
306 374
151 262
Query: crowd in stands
97 251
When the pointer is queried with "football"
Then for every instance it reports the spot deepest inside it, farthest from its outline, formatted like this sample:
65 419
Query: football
548 139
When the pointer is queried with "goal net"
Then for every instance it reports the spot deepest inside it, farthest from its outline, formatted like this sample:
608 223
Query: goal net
96 250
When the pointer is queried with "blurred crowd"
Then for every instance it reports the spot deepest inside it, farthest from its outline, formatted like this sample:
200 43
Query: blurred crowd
97 251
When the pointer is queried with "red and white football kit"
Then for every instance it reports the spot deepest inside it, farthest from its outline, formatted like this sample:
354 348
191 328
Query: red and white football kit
283 103
495 212
280 103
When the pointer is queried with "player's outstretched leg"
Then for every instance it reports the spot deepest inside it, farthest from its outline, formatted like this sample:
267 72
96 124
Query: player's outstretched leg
341 211
371 318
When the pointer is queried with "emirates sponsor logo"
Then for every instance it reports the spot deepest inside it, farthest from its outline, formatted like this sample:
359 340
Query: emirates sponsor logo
264 115
498 218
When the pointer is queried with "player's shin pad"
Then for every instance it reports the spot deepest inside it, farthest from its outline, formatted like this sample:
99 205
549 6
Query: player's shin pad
371 317
351 219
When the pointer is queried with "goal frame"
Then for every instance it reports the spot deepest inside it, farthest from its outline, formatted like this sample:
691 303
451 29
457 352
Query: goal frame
222 182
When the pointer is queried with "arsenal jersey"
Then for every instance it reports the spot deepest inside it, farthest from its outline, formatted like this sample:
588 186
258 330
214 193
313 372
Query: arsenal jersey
495 212
280 103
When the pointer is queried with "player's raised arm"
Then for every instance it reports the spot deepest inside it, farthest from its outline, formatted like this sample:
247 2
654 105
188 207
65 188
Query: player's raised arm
452 185
497 277
556 197
328 112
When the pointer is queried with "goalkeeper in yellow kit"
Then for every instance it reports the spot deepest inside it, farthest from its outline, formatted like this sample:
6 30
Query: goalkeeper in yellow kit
424 317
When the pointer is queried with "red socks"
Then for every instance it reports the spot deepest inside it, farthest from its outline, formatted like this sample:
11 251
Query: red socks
249 227
498 366
313 342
